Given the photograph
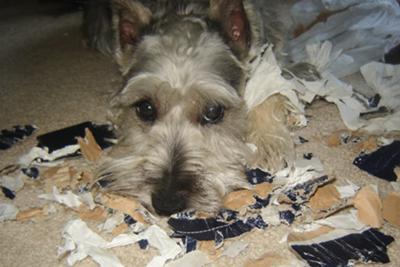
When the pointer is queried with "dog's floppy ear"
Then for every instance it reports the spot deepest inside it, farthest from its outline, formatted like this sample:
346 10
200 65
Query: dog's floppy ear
231 17
130 17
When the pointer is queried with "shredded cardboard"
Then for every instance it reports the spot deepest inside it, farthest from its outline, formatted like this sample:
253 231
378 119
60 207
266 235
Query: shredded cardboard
239 199
125 205
89 147
98 214
390 210
59 176
371 144
30 214
369 207
210 249
120 229
324 198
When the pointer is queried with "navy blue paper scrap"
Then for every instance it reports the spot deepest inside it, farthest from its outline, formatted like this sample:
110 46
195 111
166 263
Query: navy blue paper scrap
103 133
382 162
10 137
129 220
31 172
143 244
208 229
190 243
368 246
258 176
260 202
8 193
301 192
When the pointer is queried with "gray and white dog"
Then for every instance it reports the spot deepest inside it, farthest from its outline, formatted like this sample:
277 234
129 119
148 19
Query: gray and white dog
182 122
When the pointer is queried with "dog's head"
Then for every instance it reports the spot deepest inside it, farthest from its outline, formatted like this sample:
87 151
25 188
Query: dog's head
180 117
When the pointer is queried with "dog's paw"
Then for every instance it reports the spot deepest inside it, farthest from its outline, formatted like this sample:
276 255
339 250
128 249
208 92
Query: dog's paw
302 70
268 131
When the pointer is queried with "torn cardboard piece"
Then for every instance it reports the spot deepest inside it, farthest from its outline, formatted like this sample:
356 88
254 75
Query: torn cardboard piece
327 200
89 147
238 200
31 214
126 205
98 214
390 209
369 207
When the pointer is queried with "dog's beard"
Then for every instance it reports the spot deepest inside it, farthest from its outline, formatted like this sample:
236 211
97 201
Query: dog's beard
174 158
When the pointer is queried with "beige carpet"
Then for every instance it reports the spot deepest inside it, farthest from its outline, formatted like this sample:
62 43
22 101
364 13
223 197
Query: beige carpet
49 79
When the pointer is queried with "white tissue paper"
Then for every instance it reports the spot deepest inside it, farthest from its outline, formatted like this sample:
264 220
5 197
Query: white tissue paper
81 241
69 199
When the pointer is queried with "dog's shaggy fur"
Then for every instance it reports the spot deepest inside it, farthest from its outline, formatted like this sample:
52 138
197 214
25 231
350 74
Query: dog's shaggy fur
183 124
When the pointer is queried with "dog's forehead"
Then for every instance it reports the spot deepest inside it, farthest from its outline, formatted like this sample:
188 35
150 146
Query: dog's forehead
206 89
184 53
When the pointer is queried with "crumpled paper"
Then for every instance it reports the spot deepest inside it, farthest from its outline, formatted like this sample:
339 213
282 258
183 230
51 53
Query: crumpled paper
69 199
8 212
81 241
361 30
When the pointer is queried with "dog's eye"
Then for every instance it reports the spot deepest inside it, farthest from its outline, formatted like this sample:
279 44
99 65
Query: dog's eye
146 111
212 114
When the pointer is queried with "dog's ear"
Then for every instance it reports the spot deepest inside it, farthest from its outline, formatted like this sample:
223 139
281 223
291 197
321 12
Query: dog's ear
130 18
232 19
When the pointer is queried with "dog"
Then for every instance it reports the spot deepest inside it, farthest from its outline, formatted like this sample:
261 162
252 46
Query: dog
182 123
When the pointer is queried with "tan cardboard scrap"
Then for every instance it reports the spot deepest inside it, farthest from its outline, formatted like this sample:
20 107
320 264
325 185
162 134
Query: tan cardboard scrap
123 204
237 200
369 207
89 147
391 210
209 248
324 198
371 144
59 176
120 229
97 214
30 214
335 139
263 189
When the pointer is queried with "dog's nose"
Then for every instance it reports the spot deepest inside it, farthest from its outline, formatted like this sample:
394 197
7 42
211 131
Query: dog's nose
165 203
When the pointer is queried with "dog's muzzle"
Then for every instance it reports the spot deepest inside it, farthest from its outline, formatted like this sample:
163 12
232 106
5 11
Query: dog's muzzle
166 203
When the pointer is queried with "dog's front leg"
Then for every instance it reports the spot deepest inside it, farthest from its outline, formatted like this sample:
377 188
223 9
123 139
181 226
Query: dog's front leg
268 130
